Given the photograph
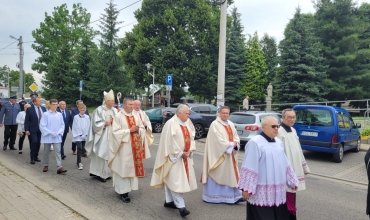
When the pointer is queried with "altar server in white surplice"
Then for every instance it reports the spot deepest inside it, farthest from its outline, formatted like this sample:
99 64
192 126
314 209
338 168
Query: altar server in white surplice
97 139
265 173
173 167
220 165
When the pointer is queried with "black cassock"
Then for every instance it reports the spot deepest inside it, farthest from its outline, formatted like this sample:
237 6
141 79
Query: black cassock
367 162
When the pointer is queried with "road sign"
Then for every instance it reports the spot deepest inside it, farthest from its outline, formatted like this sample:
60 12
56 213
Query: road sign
14 89
81 84
169 80
169 88
33 87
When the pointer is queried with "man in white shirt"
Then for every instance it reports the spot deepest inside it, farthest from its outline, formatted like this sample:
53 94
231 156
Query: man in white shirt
52 129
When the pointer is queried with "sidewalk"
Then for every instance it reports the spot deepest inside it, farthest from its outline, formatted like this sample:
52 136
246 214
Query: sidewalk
20 199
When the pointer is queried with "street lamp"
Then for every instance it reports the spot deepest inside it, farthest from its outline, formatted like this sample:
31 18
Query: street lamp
148 66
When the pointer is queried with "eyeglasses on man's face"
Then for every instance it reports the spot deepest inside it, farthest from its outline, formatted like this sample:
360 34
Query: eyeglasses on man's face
275 126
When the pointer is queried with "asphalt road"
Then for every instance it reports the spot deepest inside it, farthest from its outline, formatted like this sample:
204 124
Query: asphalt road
325 198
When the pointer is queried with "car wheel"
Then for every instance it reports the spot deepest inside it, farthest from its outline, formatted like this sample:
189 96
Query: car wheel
199 131
158 127
358 146
338 157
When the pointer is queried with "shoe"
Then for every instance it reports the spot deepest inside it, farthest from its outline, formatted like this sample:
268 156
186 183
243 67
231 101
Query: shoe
63 156
169 205
84 154
46 168
240 200
12 148
20 152
4 148
102 179
92 174
61 170
32 161
184 212
74 152
37 160
125 198
80 166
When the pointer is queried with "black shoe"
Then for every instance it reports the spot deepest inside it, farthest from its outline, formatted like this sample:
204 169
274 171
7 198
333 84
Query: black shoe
32 161
12 148
125 198
169 205
4 148
184 212
92 174
37 160
102 179
240 200
63 156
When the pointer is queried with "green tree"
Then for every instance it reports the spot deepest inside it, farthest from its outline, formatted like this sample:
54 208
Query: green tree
235 61
28 80
255 80
4 75
58 41
269 48
302 70
178 37
340 28
106 71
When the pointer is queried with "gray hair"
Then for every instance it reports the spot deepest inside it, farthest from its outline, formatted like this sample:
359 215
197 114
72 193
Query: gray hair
78 101
181 107
287 110
125 100
264 120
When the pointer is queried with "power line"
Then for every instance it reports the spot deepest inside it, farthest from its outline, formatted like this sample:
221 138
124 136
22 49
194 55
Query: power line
8 45
119 10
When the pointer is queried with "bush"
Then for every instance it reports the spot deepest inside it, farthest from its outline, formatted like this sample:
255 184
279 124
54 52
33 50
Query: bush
365 132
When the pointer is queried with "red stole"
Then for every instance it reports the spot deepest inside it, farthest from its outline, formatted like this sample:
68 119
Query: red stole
186 135
137 152
231 139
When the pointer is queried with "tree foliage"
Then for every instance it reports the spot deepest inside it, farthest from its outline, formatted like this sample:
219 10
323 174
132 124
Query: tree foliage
28 80
269 48
4 75
255 80
178 37
235 61
302 70
58 41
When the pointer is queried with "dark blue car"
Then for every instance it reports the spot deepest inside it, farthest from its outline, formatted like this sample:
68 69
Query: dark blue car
327 129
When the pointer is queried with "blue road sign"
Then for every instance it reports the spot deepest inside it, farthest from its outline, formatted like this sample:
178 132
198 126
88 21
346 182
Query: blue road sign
81 85
168 79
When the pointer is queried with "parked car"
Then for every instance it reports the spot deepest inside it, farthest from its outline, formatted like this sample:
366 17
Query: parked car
200 122
248 123
327 129
156 118
29 101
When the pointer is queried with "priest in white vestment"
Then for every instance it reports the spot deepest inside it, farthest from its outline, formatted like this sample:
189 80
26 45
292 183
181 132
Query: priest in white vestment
220 174
148 138
173 167
127 150
97 139
293 151
265 173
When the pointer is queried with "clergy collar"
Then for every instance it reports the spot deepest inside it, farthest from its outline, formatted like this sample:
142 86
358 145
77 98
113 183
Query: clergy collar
286 127
225 123
268 139
126 113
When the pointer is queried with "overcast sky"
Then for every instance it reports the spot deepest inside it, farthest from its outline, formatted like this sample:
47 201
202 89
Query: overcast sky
21 17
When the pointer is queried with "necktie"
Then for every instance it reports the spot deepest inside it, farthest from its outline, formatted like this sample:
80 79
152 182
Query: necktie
64 115
39 112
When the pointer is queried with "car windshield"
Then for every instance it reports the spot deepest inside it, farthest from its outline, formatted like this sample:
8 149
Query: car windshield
242 119
152 111
314 117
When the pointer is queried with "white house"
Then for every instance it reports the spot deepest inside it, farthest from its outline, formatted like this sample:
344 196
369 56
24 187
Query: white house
4 92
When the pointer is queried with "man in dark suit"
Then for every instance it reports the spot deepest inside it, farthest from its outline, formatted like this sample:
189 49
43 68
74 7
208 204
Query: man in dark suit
8 115
74 112
67 117
31 126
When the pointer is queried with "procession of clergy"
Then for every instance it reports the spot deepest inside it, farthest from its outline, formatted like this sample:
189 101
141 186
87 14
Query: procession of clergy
272 172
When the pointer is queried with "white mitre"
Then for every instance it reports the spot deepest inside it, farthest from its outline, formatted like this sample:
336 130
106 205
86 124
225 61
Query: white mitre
108 95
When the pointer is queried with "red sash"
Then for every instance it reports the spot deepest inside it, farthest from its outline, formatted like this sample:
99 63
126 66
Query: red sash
231 139
185 133
144 141
137 152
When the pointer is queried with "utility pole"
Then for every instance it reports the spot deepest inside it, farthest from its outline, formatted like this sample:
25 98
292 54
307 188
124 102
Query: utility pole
222 56
21 89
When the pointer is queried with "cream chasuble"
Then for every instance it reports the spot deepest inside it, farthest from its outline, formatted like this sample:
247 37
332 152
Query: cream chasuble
179 177
220 166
